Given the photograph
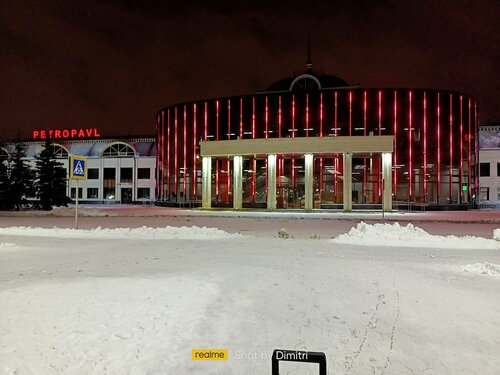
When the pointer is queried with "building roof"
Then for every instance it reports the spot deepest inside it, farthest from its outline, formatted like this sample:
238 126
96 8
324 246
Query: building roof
489 139
93 148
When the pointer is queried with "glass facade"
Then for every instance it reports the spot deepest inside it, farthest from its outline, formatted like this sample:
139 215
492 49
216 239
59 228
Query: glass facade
434 158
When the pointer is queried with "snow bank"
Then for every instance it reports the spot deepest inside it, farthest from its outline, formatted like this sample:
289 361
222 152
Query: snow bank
7 246
82 211
410 236
485 268
145 233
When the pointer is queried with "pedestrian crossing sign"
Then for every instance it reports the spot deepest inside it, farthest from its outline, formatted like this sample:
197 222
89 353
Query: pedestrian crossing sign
78 168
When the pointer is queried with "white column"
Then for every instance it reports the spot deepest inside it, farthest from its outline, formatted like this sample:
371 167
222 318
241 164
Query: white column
308 169
206 182
238 182
387 181
271 182
347 181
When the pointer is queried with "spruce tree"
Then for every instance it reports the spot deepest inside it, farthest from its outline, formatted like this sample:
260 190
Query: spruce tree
50 181
21 177
5 201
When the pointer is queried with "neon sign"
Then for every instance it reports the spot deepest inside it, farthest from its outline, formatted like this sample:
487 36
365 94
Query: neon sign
66 133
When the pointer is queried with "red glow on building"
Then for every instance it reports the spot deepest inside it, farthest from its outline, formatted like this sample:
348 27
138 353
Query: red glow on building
195 177
168 152
350 113
451 150
241 118
395 161
425 146
461 147
410 168
176 152
184 152
438 146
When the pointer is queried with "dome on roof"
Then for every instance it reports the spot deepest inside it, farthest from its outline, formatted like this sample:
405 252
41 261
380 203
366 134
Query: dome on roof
307 82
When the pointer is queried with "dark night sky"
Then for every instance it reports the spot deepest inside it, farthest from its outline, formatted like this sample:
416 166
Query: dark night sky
113 64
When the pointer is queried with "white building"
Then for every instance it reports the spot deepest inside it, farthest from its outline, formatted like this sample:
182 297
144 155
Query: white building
489 165
119 170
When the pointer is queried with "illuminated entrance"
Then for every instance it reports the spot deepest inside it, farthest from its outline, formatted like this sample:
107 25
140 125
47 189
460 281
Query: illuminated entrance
293 172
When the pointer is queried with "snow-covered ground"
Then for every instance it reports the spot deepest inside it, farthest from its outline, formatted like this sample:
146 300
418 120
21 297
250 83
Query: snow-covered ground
382 299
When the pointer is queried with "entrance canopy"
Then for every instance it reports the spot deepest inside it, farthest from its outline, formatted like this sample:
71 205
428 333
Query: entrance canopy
308 147
312 145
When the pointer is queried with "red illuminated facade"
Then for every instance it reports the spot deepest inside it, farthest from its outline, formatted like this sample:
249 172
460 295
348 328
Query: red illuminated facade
435 143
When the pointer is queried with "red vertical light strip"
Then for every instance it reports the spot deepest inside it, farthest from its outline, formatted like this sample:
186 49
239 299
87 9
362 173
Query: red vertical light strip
321 136
380 113
438 147
254 161
410 156
160 165
216 120
335 133
380 133
279 162
350 113
168 153
395 162
364 158
461 147
176 171
293 136
228 119
241 118
279 116
205 125
469 156
228 169
451 151
321 115
335 122
336 163
476 151
267 118
253 118
267 136
184 180
163 171
195 177
425 147
307 115
217 138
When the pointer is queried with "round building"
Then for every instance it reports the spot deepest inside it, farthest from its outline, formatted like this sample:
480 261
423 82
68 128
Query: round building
433 147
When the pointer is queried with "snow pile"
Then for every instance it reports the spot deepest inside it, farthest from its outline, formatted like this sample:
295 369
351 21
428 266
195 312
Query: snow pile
144 233
485 268
7 246
496 234
410 236
87 212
